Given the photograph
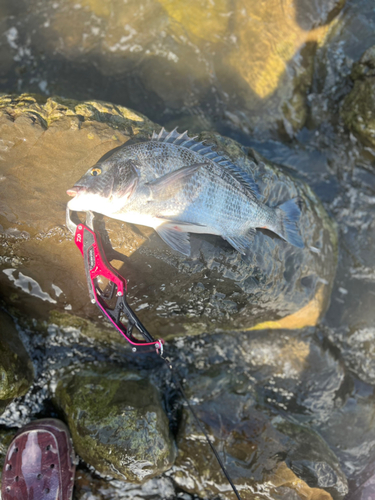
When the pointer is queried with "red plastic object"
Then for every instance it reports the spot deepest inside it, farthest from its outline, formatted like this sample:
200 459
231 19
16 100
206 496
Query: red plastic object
101 267
96 265
40 463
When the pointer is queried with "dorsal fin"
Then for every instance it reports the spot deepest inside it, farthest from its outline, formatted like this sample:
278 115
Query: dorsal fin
173 137
207 152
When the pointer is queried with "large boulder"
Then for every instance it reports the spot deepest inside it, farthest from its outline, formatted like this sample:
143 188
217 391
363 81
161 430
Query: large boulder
117 422
48 145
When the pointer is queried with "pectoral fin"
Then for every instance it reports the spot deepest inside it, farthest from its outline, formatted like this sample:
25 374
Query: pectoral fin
174 237
170 184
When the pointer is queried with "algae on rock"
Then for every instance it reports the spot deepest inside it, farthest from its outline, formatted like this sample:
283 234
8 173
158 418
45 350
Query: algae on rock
117 422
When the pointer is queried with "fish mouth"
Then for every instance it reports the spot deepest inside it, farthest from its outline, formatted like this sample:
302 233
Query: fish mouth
78 201
75 190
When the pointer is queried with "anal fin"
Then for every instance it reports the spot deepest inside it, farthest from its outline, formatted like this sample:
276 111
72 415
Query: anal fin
243 242
174 237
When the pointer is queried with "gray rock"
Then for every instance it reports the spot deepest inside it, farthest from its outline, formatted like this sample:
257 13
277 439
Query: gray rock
117 422
312 459
91 487
237 383
365 482
358 110
248 444
357 349
356 448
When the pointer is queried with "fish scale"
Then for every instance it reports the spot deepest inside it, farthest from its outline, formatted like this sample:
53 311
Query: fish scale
178 185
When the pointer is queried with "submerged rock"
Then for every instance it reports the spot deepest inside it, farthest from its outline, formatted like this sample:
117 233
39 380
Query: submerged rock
49 144
358 110
16 369
254 454
250 62
365 484
358 350
88 486
251 392
117 422
312 459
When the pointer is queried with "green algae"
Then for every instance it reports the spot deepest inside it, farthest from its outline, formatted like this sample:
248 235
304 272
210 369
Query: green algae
117 422
88 328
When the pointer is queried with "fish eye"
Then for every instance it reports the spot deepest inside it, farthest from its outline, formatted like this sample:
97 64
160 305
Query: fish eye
96 171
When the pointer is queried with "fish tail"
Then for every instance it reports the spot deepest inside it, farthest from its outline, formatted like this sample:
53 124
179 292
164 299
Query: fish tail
287 218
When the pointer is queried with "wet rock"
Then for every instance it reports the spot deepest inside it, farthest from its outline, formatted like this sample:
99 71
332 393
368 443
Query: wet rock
237 384
359 105
254 454
294 374
280 369
251 63
312 459
50 144
365 485
357 349
357 447
268 91
16 369
6 436
117 422
88 487
333 64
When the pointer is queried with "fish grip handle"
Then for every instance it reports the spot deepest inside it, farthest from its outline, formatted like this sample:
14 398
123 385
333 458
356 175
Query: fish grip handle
97 265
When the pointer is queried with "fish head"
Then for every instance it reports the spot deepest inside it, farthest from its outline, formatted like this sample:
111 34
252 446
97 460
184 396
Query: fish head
105 188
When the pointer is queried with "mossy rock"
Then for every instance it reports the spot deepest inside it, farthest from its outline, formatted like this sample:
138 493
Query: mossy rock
117 422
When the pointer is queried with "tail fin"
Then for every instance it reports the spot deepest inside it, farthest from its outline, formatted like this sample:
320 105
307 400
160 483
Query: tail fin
287 218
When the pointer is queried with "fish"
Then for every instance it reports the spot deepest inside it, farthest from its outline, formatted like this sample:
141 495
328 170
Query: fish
178 185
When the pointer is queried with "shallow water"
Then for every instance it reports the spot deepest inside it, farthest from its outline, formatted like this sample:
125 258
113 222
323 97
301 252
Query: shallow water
231 67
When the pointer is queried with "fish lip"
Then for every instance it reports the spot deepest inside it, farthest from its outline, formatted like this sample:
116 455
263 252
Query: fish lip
75 190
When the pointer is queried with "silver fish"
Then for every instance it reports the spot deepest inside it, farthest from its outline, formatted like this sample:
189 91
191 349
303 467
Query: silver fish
178 186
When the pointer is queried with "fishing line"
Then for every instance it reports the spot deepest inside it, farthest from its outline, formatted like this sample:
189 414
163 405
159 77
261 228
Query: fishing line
198 422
